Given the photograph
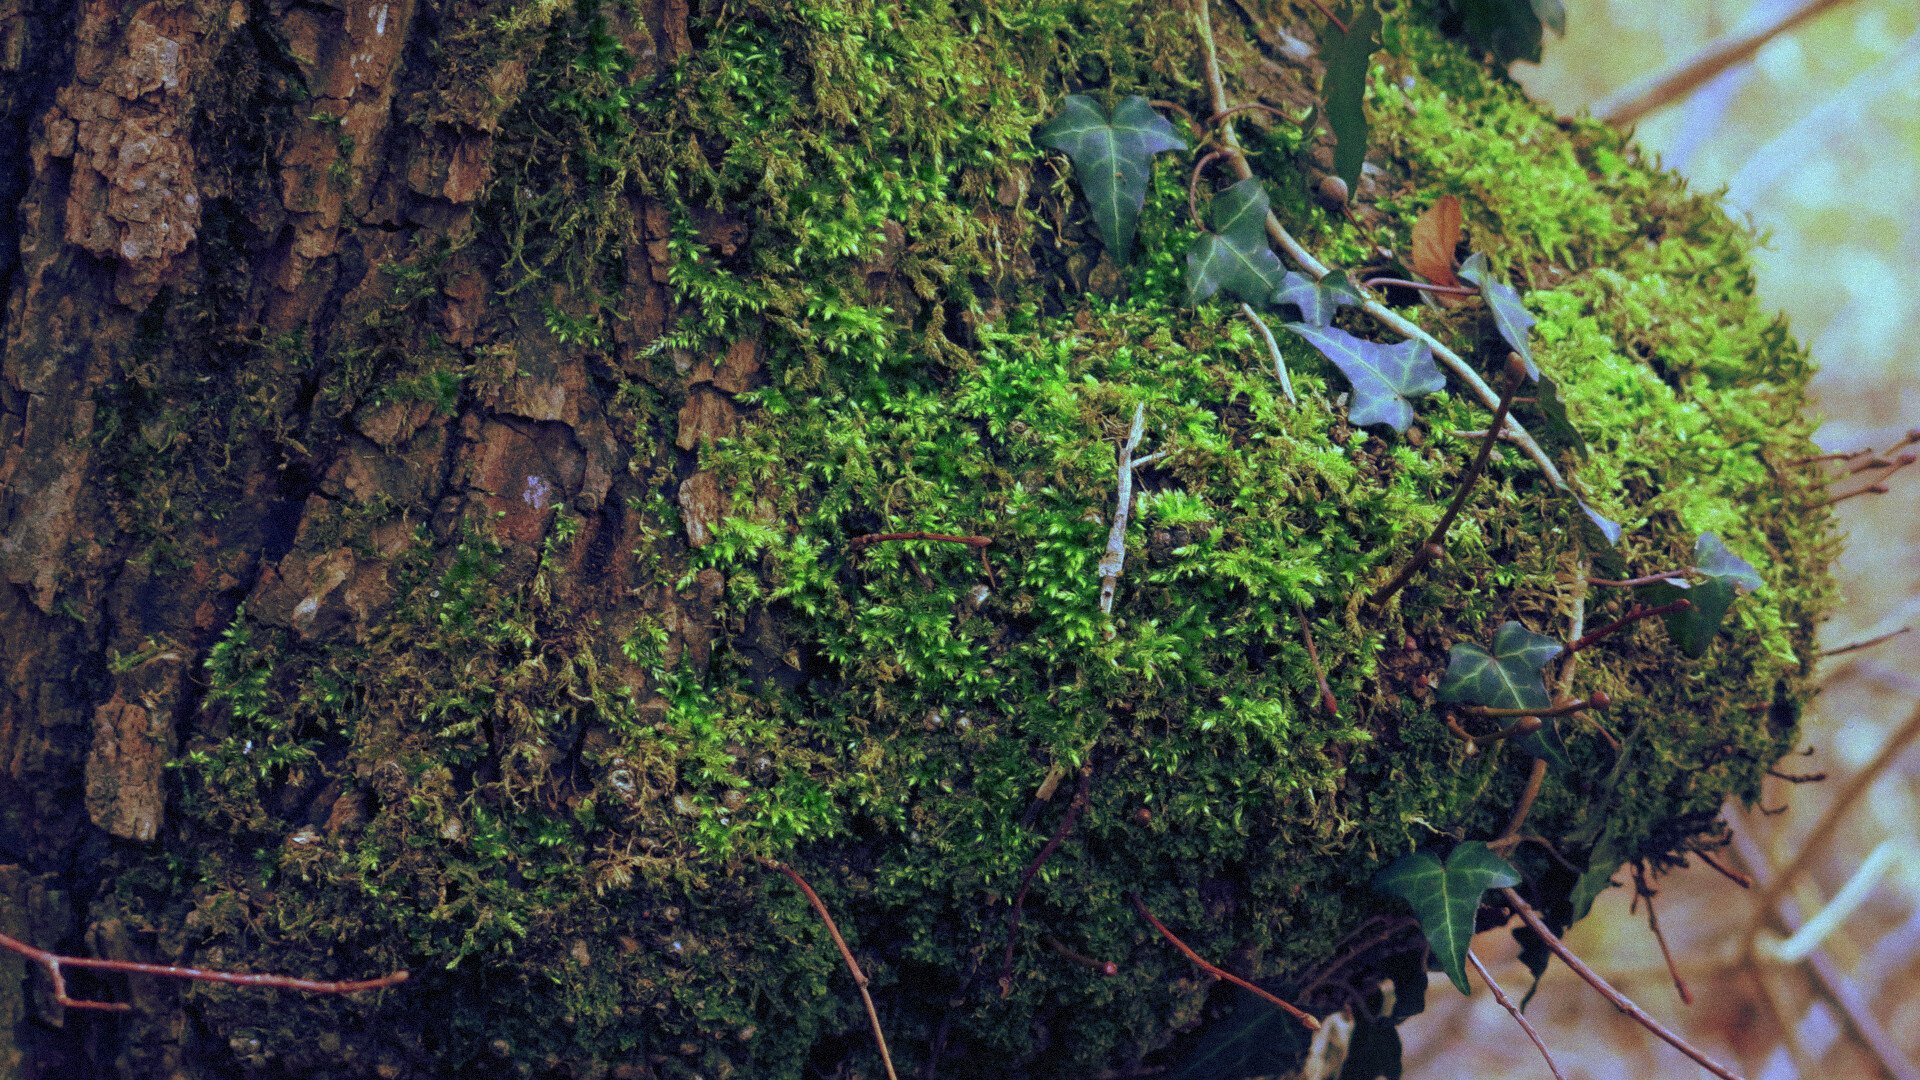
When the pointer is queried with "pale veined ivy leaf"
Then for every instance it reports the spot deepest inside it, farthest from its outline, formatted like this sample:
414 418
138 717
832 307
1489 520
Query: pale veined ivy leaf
1445 897
1235 255
1713 560
1383 377
1548 743
1506 678
1557 428
1111 159
1510 316
1319 300
1601 534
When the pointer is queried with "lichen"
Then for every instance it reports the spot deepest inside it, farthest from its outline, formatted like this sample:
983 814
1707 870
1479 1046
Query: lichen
554 814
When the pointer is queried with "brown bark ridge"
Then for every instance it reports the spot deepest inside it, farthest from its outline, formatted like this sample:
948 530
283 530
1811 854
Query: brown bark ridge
195 199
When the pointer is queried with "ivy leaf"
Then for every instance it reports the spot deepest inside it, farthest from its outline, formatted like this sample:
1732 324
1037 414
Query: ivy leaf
1548 744
1506 678
1446 896
1343 90
1510 29
1253 1039
1317 301
1727 576
1111 158
1435 234
1510 316
1713 560
1383 376
1598 878
1601 535
1235 255
1373 1049
1557 428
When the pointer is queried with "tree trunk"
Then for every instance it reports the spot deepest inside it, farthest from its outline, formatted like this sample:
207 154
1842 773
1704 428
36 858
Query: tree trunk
410 554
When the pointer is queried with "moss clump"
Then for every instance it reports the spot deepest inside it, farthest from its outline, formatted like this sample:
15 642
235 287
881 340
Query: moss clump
554 808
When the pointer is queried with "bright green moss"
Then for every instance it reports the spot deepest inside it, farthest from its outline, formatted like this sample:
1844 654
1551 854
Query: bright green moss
562 812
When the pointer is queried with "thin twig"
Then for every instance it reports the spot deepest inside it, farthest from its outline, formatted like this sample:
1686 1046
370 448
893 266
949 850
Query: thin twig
1619 1000
1519 1017
870 539
1397 926
1645 579
1423 286
1627 620
1628 105
1598 700
1867 644
1516 372
1273 346
1193 185
1536 779
54 964
1115 558
1327 700
1104 967
1074 809
1278 114
1726 871
1646 893
1219 972
1878 487
1796 778
846 954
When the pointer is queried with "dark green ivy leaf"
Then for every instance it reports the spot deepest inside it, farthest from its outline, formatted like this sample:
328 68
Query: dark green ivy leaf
1598 878
1727 575
1384 377
1253 1039
1373 1050
1548 744
1235 255
1445 897
1510 29
1506 678
1111 159
1712 559
1552 13
1557 428
1343 90
1318 301
1534 954
1510 316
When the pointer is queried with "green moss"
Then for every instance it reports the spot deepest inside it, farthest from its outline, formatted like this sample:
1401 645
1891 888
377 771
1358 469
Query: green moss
561 812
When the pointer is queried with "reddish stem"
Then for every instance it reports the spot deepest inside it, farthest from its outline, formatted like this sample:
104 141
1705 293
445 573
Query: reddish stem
53 963
846 954
1268 109
1074 809
1327 700
1193 185
1331 17
1599 700
871 539
1220 972
1423 286
1867 644
1726 871
1648 579
1519 1017
1627 620
1104 967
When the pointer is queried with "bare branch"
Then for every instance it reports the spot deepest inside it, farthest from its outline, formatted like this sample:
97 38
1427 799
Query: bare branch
1115 558
1620 1001
1273 347
1519 1017
1867 644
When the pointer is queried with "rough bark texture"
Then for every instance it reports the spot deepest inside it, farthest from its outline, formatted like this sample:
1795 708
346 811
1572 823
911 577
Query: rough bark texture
378 480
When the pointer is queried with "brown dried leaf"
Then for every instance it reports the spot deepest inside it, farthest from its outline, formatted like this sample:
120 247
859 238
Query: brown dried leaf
1435 235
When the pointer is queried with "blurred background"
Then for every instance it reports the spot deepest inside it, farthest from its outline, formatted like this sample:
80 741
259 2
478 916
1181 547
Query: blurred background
1814 134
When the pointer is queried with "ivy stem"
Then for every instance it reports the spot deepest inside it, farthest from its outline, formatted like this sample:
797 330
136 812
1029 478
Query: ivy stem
1516 371
1536 779
1104 967
1327 700
1619 1000
1193 185
54 964
1423 286
1246 106
846 954
1725 871
1220 972
1519 1017
1598 700
1074 810
1627 620
1879 486
1644 891
1273 347
1644 579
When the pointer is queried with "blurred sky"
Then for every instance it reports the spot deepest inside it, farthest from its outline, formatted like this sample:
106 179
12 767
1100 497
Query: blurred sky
1817 141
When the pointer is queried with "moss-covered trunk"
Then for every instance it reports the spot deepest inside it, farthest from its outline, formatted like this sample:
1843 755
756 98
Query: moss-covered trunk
430 440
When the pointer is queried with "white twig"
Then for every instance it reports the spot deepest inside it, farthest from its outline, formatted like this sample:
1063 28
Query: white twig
1315 269
1279 362
1116 557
